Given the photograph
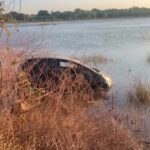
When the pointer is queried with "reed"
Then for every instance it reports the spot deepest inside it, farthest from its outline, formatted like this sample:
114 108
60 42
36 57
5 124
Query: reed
140 93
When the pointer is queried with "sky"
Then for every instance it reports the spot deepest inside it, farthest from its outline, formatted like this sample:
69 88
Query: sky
32 6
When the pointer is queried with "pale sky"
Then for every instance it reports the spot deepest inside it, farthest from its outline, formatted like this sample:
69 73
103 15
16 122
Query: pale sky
32 6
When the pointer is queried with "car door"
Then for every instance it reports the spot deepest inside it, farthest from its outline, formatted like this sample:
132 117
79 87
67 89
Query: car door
90 76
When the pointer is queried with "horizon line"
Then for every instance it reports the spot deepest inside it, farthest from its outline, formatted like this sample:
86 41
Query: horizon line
81 9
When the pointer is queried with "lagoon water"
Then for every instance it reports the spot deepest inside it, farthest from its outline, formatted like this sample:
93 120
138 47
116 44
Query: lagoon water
125 41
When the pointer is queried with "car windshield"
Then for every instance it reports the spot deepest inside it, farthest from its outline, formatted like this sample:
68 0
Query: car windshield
96 69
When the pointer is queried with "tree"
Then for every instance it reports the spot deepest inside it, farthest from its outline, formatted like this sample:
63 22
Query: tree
94 13
43 13
66 15
1 13
56 15
80 14
17 16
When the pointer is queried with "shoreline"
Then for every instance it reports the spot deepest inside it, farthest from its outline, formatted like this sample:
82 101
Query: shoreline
43 23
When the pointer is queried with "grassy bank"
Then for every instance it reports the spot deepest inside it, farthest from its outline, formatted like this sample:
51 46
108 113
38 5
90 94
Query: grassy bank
140 93
33 118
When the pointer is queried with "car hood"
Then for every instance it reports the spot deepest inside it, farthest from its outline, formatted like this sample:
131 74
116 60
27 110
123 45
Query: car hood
107 79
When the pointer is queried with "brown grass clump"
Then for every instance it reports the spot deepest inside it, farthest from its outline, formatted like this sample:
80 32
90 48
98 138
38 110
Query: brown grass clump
140 94
35 118
41 130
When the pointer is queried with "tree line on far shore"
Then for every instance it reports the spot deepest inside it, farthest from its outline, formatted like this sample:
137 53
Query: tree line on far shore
77 14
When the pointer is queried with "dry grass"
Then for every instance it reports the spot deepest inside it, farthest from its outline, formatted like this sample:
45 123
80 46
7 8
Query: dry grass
140 94
41 119
75 130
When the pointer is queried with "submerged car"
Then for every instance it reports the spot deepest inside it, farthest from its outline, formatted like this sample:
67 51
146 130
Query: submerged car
43 71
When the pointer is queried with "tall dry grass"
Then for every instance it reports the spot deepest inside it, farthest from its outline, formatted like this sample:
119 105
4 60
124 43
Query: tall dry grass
140 93
35 118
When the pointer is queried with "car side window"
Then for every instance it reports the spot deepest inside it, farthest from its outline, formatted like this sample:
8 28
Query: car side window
88 74
44 66
53 63
85 71
67 64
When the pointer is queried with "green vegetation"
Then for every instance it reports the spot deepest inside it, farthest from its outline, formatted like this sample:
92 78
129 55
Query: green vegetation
79 14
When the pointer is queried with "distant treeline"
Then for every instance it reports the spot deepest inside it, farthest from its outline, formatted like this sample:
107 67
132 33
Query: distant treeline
78 14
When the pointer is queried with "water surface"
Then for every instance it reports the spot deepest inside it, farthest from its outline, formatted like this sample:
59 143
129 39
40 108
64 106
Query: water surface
126 41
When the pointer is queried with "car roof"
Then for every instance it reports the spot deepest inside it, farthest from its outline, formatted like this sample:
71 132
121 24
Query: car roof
64 60
100 73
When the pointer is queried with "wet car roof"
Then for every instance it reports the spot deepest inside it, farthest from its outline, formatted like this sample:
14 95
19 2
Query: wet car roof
65 60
